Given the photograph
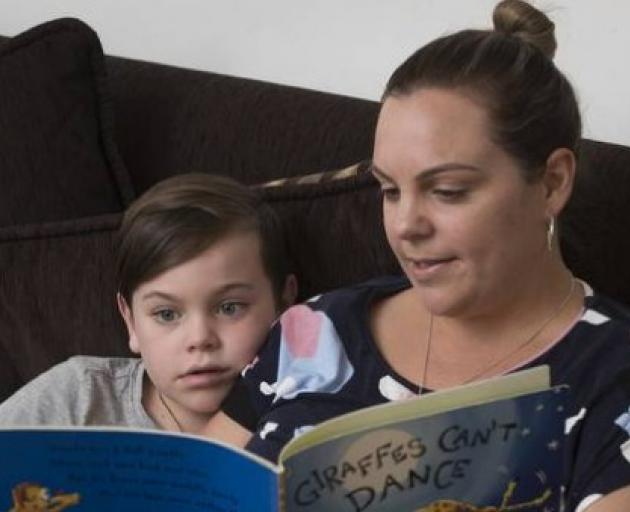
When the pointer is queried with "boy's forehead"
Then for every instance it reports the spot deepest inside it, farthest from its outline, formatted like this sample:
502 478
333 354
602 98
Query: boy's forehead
231 263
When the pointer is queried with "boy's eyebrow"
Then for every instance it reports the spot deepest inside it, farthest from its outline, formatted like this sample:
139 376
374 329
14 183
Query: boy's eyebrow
158 295
231 286
173 298
427 173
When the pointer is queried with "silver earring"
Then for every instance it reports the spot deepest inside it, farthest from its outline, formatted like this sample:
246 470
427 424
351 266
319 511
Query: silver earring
551 231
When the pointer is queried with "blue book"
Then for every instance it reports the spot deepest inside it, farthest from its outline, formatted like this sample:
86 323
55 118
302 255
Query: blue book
494 443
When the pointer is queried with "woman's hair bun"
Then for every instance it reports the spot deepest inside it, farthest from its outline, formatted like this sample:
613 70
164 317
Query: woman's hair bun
520 19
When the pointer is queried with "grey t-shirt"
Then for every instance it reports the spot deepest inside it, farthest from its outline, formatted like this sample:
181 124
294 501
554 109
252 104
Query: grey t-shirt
82 391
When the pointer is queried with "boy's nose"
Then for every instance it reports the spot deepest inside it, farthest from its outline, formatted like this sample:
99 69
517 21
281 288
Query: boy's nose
202 334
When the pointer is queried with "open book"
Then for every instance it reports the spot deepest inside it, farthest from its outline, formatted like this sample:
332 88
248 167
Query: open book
495 443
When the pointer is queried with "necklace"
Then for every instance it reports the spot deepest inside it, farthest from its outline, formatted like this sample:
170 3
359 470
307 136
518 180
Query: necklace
495 363
170 412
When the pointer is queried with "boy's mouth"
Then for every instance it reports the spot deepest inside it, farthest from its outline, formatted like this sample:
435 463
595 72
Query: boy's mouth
207 375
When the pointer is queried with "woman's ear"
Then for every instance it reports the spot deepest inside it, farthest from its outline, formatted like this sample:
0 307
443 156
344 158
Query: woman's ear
127 315
289 292
558 180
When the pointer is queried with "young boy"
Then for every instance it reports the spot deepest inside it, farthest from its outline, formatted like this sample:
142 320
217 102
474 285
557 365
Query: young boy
202 276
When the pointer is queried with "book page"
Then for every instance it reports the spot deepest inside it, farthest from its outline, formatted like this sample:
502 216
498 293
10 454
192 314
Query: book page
115 469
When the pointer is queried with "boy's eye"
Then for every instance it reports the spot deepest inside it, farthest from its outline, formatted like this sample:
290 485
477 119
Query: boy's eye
231 308
166 315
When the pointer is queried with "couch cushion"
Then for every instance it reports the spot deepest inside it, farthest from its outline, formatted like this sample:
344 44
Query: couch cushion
334 228
58 159
171 120
595 225
57 296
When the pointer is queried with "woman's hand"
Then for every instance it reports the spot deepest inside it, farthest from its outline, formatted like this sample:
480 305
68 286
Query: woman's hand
614 502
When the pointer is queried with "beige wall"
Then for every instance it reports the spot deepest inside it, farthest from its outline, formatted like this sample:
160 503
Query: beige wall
344 46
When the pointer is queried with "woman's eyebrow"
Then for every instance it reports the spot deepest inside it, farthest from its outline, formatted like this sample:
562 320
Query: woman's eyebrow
428 173
378 173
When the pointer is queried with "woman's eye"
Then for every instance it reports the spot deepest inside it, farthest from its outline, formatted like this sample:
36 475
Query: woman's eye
166 315
450 194
231 308
390 193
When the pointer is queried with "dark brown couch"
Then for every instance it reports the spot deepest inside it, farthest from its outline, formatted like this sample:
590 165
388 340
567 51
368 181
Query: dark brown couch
82 135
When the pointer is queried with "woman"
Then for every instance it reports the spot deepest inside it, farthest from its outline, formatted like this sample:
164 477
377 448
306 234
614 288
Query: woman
475 153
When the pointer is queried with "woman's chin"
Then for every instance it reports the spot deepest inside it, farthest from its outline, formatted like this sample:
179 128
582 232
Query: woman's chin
443 302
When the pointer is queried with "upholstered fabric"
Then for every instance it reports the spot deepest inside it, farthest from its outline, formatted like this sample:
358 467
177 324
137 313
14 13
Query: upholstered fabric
334 232
57 127
595 226
171 120
57 296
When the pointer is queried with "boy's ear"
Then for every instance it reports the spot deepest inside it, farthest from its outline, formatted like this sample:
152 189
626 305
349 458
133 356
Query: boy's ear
290 291
125 312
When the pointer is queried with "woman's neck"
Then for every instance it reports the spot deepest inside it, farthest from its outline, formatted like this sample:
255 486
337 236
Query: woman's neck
529 320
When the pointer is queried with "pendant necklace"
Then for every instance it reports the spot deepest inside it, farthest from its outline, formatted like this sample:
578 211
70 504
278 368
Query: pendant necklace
495 363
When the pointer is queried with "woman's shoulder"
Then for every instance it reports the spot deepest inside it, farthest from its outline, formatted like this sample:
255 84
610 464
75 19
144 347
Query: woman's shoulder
604 323
598 344
607 308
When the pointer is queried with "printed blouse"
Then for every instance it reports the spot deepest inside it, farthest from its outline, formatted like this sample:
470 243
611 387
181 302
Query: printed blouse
321 361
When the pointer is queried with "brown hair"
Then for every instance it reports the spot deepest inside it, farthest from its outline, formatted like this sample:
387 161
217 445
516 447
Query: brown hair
531 105
179 218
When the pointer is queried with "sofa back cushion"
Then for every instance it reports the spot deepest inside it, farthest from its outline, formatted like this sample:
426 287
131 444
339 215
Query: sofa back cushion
61 179
595 225
58 159
334 229
172 120
57 296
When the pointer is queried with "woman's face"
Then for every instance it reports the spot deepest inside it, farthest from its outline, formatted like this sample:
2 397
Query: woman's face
465 226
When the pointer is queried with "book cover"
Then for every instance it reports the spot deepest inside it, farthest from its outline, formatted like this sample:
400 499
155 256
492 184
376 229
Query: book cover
496 443
92 469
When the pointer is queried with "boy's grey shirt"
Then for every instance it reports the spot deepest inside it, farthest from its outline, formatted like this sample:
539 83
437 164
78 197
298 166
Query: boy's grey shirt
81 391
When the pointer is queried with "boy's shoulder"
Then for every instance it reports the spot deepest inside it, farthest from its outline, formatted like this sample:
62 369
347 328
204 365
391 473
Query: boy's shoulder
79 369
113 366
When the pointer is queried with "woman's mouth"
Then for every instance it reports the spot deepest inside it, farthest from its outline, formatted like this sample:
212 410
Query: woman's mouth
428 268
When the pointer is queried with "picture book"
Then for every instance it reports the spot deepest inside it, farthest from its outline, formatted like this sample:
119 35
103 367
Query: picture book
495 443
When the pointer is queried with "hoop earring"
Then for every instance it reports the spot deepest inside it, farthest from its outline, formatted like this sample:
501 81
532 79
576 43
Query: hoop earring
551 231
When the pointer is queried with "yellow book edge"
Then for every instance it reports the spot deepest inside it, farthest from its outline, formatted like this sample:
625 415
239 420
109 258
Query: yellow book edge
476 393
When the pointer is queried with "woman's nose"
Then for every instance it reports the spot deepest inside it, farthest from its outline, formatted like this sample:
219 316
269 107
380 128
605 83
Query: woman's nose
412 219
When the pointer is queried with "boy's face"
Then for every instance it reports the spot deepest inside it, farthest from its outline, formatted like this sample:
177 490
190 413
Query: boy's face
198 324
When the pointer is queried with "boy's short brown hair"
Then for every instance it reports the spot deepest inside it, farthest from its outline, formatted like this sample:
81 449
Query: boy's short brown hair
179 218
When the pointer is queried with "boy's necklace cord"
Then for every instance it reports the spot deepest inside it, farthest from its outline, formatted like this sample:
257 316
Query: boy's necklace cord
170 412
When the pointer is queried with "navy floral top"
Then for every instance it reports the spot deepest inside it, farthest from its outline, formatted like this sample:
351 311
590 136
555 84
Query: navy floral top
321 361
